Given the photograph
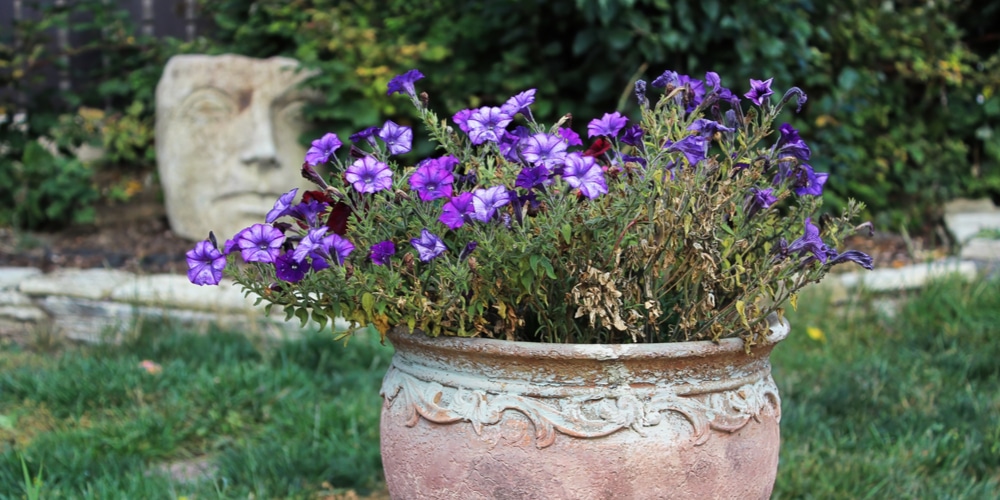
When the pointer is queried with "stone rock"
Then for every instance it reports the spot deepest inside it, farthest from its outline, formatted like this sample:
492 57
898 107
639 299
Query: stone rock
23 313
907 277
981 249
227 140
176 291
967 218
966 205
11 277
13 298
83 283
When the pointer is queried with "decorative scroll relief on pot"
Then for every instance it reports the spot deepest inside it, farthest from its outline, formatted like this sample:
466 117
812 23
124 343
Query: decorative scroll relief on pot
726 407
227 140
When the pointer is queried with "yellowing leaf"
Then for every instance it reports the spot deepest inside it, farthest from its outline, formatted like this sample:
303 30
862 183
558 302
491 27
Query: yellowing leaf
741 308
793 299
816 334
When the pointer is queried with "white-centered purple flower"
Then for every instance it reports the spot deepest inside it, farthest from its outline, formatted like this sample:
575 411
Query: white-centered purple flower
286 268
583 173
431 182
281 206
608 125
462 119
381 252
429 245
369 175
398 138
759 90
544 149
322 149
456 211
519 103
404 83
485 202
693 147
487 124
205 264
260 243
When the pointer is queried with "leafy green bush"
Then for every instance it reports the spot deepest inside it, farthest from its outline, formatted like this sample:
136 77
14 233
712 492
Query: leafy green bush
46 189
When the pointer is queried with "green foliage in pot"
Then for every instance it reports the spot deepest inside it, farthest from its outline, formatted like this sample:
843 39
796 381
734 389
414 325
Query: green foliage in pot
691 222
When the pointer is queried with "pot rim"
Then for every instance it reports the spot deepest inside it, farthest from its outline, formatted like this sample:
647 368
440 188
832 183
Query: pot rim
508 348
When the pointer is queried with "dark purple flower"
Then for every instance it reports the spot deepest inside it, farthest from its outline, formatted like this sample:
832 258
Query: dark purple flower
462 119
398 138
456 210
805 181
634 159
469 247
310 174
712 79
759 199
322 149
428 245
530 177
431 182
860 258
667 78
337 246
308 211
809 242
281 206
759 90
487 124
286 268
382 251
633 135
572 138
640 93
583 173
609 125
260 243
369 175
205 264
790 144
367 134
485 202
404 83
694 148
519 103
544 149
694 91
708 128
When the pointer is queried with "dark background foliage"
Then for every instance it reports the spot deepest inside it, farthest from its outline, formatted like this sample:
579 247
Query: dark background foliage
903 110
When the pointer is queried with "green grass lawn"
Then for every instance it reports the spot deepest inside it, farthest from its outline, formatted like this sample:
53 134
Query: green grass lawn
878 407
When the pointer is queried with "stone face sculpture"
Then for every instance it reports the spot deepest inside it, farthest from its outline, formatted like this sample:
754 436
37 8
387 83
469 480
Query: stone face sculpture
227 140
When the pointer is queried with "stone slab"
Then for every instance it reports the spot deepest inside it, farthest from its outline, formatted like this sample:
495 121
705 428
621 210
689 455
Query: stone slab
176 291
82 283
966 205
14 298
11 277
908 277
981 249
23 314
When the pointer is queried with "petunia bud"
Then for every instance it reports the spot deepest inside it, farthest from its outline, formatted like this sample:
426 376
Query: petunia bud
424 98
310 174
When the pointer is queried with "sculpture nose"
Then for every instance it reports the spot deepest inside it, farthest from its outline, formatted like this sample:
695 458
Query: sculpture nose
260 149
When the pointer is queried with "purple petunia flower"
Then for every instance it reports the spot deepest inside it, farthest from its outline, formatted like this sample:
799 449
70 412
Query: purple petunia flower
205 264
311 242
759 199
404 83
230 245
487 124
668 77
862 259
462 119
308 212
456 210
382 251
583 173
572 138
544 149
469 247
398 138
369 175
260 243
508 145
810 242
609 124
431 182
759 90
708 128
281 206
531 177
485 202
367 134
694 148
286 268
428 245
790 144
809 182
712 79
322 149
519 104
633 135
337 246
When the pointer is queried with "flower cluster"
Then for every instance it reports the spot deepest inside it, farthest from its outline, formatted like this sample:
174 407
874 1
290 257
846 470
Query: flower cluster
683 222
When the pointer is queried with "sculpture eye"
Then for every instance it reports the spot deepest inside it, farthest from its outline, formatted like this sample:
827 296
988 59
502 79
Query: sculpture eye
208 106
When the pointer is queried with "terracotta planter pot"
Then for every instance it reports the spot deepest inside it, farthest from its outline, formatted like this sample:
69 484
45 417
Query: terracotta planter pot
482 418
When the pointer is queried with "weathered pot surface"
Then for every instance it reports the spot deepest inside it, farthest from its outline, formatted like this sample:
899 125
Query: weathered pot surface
482 418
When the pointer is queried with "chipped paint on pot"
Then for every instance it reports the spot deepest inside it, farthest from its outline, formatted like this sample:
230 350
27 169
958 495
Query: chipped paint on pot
480 418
